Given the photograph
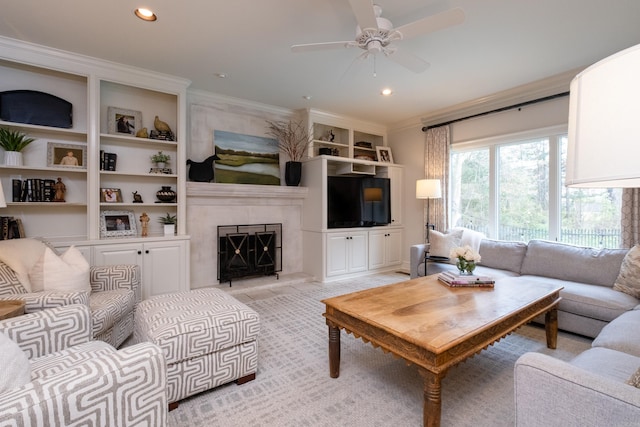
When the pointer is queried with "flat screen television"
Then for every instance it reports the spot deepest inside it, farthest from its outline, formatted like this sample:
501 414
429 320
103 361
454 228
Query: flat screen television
358 201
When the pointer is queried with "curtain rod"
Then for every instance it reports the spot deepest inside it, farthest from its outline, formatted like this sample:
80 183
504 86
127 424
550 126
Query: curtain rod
498 110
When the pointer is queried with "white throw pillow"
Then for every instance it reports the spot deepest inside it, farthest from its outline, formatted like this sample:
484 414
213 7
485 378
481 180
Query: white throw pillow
442 243
628 280
21 255
16 370
68 272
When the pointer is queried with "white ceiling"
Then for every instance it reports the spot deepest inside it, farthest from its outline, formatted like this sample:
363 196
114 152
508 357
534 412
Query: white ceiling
502 44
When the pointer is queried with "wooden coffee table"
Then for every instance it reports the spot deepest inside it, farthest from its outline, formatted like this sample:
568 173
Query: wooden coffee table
11 308
434 326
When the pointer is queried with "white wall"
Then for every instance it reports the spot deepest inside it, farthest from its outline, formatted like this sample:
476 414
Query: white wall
407 145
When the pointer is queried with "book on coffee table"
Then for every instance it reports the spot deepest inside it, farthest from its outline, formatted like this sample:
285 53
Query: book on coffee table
454 280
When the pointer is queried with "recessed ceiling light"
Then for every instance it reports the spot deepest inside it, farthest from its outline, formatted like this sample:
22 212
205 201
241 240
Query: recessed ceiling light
145 14
307 97
221 75
386 92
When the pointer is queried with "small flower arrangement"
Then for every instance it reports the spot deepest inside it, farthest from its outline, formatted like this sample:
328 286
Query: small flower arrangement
160 157
467 258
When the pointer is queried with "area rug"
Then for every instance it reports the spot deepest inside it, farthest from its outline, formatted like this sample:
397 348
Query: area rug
293 387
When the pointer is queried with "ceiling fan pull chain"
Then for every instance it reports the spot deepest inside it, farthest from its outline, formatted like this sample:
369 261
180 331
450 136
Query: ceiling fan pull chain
374 67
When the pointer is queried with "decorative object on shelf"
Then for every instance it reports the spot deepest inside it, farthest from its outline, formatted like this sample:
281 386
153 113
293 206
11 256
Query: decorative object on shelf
166 195
202 171
123 121
117 224
142 133
169 222
60 190
293 139
110 195
332 136
162 132
35 108
66 155
137 198
325 151
384 154
467 258
165 171
364 144
144 222
160 159
108 161
13 142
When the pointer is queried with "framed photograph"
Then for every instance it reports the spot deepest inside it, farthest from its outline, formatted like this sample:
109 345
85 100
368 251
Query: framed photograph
110 195
384 154
61 155
117 224
122 121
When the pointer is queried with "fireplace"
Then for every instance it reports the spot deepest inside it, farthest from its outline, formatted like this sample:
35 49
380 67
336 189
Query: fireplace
249 251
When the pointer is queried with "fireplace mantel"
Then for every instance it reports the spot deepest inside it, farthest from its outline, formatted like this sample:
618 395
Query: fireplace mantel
211 190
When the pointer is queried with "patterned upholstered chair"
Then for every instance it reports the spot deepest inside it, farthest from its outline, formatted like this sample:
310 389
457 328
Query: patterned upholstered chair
112 296
57 376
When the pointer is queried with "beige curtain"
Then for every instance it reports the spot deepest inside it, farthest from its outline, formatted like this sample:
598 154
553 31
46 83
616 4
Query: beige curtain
436 166
630 218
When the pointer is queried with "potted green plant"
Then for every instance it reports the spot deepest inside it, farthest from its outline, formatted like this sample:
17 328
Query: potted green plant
13 142
293 139
160 159
169 222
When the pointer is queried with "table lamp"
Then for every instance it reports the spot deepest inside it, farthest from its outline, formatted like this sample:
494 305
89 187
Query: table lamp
428 189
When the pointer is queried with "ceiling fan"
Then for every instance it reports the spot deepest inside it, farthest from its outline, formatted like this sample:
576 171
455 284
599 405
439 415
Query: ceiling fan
375 34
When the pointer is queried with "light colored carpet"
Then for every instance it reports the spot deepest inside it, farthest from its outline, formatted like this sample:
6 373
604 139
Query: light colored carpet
293 387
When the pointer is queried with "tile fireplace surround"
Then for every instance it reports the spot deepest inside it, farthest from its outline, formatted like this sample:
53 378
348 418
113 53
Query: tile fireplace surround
210 205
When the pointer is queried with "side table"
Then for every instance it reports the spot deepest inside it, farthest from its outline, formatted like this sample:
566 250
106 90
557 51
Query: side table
433 258
11 308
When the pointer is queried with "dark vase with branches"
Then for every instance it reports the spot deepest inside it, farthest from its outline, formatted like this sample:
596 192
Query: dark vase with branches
293 140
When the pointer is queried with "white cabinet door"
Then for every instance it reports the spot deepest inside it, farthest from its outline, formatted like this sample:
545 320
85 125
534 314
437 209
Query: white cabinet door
163 268
393 247
126 253
377 248
358 252
337 255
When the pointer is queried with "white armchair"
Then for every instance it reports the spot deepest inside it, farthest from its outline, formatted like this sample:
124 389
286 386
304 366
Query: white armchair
72 380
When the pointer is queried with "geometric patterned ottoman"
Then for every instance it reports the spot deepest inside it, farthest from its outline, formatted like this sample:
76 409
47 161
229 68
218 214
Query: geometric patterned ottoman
207 336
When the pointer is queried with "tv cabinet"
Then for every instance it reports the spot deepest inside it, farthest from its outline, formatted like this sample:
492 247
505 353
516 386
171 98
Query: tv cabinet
336 253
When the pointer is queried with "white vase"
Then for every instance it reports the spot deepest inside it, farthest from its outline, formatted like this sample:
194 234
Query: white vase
169 229
160 165
13 158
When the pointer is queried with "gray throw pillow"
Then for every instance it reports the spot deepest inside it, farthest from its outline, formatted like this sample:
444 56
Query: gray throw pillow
16 370
628 280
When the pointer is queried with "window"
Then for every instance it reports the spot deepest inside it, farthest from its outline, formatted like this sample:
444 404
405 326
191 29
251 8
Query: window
513 189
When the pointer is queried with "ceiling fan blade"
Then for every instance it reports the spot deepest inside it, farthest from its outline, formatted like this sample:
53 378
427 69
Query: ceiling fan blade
321 46
363 10
432 23
409 61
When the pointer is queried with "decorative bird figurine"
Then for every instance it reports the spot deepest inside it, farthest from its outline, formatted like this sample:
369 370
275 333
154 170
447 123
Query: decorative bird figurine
160 125
142 133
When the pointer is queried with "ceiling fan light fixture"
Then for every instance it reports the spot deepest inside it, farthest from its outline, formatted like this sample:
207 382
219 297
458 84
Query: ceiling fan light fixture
145 14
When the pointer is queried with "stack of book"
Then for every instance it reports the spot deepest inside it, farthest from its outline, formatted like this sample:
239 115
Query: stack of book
456 280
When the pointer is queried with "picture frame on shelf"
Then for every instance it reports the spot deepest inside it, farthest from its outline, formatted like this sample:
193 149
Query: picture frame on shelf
63 155
384 154
117 224
124 122
110 195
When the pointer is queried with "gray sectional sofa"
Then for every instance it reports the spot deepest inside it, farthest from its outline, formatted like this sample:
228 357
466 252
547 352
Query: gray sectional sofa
593 389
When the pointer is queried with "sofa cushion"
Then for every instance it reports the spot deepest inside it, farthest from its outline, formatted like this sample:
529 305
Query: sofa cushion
16 370
21 255
596 302
9 283
574 263
612 364
440 244
59 361
628 280
68 272
502 254
621 334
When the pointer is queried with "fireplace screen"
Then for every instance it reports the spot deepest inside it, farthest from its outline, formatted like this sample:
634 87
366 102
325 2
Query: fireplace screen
249 250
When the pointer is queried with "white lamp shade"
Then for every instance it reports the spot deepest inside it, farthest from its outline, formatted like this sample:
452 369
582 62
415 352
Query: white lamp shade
428 189
604 123
3 202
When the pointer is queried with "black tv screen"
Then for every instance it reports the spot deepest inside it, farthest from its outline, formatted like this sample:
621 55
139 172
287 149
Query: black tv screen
358 201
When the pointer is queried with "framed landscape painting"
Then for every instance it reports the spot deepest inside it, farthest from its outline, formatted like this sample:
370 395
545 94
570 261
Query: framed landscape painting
246 159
